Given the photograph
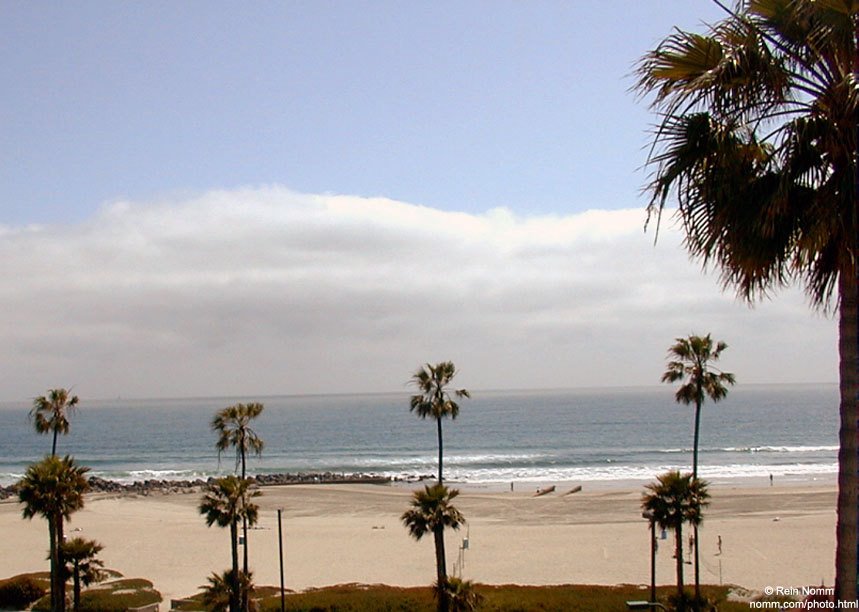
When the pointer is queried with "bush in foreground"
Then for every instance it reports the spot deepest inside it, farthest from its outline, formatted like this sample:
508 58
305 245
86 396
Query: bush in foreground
19 592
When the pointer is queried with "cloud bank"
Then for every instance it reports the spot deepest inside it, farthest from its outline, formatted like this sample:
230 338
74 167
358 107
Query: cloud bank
267 291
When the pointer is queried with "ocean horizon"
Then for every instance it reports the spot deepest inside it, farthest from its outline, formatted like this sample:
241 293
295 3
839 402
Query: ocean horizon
535 436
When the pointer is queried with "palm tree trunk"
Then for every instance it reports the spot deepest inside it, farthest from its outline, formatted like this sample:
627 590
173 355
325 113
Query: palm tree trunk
695 440
61 564
848 508
244 601
695 477
54 445
697 570
441 568
438 420
52 534
234 587
678 553
77 586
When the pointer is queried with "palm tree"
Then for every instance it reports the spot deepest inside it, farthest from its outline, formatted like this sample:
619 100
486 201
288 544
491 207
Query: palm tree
54 488
226 502
232 424
82 563
757 143
462 596
672 500
434 398
690 362
50 413
218 592
431 512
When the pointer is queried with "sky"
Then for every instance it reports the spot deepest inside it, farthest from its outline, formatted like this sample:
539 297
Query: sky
314 197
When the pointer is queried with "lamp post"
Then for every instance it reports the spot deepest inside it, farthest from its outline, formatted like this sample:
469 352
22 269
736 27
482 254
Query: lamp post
652 520
280 548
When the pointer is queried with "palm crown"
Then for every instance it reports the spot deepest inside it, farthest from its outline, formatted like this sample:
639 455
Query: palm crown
434 399
676 498
690 360
50 413
761 109
432 509
232 424
227 501
54 487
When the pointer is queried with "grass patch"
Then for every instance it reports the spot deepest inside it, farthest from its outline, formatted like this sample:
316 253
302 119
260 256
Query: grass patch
501 598
112 596
354 598
119 595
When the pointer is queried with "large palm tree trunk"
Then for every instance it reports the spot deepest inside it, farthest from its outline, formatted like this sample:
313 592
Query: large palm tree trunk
52 534
234 579
61 578
848 508
61 566
441 568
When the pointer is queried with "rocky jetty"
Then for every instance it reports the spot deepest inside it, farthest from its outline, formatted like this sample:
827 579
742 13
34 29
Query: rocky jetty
168 487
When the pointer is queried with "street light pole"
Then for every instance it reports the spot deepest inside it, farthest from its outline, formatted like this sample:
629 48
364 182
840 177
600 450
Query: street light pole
280 548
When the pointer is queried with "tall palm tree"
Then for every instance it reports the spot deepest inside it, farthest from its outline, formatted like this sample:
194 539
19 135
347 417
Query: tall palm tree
226 502
82 563
232 424
431 512
50 413
434 399
690 361
54 488
757 143
672 500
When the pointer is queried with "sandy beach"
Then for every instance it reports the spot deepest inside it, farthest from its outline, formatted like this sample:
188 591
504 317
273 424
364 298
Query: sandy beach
771 536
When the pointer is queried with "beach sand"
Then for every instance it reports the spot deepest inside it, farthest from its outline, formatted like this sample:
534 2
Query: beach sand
333 534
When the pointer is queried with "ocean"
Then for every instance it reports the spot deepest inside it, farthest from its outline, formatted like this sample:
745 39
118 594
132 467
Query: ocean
500 436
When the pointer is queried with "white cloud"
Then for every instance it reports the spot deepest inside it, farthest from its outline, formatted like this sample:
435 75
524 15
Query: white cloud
267 291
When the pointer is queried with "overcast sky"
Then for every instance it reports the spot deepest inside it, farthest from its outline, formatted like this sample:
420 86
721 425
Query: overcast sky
311 197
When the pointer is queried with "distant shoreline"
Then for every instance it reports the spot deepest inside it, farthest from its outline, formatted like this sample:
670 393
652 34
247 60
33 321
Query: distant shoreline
152 485
187 486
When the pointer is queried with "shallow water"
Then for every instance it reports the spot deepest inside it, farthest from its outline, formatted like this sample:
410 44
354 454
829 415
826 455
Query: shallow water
534 436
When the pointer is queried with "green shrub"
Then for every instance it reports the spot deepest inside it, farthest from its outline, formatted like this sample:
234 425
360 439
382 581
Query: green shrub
19 592
119 595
